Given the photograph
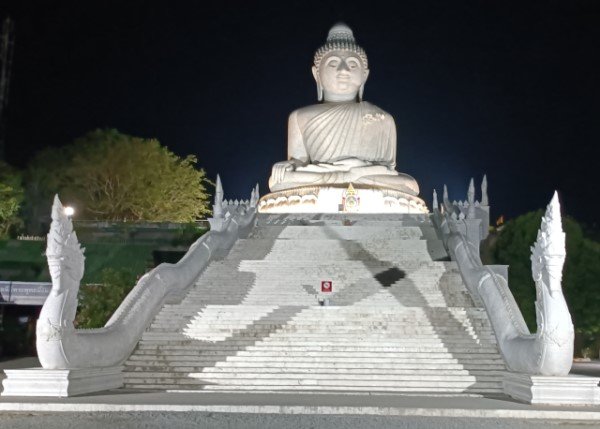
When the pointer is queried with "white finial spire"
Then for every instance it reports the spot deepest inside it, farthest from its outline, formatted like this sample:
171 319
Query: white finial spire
445 198
435 200
254 196
218 206
471 192
471 200
484 194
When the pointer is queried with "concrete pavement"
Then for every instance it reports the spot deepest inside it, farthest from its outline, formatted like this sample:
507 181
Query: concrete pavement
123 408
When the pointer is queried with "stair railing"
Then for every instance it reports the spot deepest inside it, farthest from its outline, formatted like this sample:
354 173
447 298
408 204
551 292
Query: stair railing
549 351
61 346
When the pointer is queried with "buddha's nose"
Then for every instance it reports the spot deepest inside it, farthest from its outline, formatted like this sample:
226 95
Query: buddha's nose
343 66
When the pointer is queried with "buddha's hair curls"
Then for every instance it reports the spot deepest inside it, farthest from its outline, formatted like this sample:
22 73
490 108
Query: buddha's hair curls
340 38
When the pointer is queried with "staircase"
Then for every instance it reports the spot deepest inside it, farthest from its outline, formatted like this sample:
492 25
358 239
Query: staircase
399 318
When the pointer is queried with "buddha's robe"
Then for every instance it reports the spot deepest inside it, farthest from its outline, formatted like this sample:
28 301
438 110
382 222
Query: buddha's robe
350 130
341 143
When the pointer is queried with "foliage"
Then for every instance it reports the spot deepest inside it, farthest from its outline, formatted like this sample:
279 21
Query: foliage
107 175
11 197
98 302
44 177
581 273
25 260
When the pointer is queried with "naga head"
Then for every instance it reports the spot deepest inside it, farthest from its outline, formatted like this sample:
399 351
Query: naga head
64 253
548 253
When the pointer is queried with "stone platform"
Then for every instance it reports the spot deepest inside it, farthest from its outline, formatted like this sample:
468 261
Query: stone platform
266 411
341 199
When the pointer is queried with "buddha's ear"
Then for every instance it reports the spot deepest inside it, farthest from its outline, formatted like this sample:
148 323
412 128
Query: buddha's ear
361 90
366 75
315 73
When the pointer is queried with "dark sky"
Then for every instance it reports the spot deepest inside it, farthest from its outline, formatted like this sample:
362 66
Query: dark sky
510 89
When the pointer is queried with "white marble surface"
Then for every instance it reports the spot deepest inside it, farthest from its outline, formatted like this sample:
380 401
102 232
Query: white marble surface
344 139
60 382
62 347
549 390
330 199
547 352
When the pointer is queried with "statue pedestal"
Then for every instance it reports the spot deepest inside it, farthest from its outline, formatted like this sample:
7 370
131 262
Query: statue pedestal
61 382
341 199
549 390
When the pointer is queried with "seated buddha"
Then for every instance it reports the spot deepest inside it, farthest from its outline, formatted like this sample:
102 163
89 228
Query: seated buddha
343 139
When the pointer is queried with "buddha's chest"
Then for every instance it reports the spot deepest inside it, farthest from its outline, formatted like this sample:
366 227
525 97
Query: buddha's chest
355 130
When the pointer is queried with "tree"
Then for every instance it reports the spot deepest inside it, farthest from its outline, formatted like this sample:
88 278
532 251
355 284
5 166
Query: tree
11 197
581 273
98 302
107 175
44 177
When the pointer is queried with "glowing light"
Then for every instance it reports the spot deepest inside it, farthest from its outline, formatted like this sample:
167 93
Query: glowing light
69 211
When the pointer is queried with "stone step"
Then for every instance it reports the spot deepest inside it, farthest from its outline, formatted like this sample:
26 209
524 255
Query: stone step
335 343
331 389
182 339
307 381
226 266
328 242
288 333
203 325
401 319
224 377
334 329
242 317
193 350
293 354
232 322
362 311
341 232
322 371
206 316
140 360
455 340
184 366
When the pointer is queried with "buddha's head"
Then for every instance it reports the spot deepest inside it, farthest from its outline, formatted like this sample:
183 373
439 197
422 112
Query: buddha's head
340 66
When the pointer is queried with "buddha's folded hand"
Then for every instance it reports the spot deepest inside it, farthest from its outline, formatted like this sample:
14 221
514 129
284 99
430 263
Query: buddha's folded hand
279 170
351 163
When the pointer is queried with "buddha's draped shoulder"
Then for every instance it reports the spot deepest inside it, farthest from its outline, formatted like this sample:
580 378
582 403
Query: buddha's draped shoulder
336 131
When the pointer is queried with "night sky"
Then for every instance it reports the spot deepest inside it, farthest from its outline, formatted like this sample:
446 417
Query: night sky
510 89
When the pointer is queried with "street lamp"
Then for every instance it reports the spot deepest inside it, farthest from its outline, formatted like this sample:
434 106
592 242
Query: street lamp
69 211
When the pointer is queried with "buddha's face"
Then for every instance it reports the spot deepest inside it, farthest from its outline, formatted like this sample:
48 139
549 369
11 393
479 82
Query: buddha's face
341 73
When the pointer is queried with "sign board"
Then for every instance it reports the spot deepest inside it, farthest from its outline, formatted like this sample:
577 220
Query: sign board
24 293
326 286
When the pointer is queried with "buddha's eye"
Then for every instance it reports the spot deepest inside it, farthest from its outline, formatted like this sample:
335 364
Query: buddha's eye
333 63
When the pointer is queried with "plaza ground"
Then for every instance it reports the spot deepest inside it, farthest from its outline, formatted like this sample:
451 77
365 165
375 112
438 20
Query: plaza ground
122 408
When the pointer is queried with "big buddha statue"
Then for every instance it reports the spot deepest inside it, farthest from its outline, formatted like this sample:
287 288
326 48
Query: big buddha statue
341 151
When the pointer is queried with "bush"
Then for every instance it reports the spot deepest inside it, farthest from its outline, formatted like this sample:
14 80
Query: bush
581 273
98 302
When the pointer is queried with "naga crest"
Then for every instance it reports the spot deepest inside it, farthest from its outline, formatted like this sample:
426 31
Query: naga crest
548 253
64 253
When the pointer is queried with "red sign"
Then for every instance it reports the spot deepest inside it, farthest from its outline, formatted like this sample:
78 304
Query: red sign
326 286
